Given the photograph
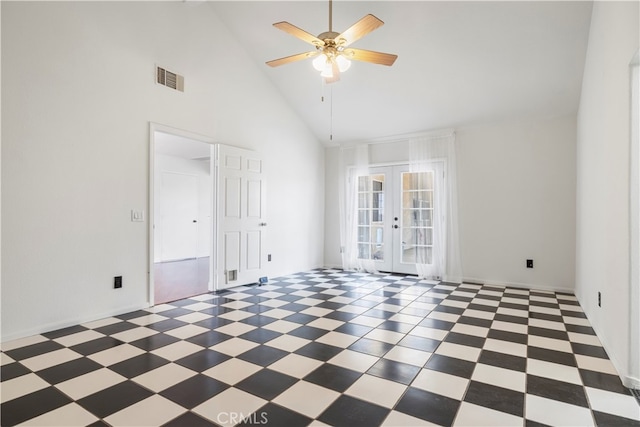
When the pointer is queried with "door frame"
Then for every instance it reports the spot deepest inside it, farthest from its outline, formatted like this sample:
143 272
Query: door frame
153 128
632 378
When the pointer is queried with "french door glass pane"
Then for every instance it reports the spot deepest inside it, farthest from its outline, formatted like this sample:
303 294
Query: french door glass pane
421 236
364 200
363 217
363 234
417 254
417 199
364 251
417 217
426 216
371 216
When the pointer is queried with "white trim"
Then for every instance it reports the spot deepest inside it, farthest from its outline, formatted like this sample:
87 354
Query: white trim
621 369
530 286
631 382
331 266
54 326
400 138
214 286
633 372
153 128
490 282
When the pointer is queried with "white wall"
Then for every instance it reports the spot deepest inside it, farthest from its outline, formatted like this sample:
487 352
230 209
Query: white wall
517 202
200 169
516 186
78 96
332 256
602 234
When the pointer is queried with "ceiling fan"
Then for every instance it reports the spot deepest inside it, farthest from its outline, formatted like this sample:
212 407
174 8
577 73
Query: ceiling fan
333 53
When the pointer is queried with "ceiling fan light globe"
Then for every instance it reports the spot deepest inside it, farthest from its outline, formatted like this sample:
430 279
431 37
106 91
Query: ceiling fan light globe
343 63
327 71
319 62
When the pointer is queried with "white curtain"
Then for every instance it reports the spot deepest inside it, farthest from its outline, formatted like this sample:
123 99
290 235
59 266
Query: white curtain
354 162
438 153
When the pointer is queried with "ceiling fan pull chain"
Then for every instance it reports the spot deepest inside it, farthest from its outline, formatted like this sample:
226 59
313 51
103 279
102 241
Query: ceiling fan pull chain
331 114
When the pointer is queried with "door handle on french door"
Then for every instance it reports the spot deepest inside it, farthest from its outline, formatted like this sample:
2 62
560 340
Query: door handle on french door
262 224
195 220
395 226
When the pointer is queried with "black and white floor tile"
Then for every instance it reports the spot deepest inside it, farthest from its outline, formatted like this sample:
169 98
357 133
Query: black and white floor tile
324 347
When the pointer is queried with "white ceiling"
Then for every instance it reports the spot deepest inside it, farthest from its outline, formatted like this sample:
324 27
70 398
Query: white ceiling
459 63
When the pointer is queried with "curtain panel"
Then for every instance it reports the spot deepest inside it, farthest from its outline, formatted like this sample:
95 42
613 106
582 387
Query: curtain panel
425 153
350 170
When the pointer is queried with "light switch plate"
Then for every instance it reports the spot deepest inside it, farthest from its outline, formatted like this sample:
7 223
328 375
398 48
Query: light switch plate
137 216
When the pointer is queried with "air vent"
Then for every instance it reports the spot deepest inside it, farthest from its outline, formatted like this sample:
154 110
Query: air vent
169 79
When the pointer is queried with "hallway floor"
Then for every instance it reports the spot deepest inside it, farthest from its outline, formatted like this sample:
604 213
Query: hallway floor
324 347
176 280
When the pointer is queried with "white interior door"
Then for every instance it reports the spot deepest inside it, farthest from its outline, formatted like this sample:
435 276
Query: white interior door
240 212
179 213
396 209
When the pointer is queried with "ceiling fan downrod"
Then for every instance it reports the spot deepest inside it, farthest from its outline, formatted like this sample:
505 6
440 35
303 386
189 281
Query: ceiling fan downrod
330 16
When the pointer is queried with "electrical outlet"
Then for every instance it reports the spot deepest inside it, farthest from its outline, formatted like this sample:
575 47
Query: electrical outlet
117 282
269 258
529 263
599 299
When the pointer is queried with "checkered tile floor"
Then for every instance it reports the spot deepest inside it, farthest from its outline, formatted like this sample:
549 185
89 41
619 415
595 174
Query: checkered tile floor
324 347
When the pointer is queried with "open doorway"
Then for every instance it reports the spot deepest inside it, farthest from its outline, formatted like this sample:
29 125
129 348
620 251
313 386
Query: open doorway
181 227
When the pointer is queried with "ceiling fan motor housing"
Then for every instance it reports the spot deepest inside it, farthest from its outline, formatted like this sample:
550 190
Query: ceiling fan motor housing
328 36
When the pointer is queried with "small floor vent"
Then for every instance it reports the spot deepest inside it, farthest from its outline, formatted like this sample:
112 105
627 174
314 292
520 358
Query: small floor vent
169 79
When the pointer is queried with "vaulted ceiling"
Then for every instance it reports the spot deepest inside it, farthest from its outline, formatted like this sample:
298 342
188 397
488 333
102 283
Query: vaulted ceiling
459 63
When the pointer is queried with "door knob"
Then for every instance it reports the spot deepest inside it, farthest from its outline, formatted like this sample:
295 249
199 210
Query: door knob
395 219
395 226
263 224
195 220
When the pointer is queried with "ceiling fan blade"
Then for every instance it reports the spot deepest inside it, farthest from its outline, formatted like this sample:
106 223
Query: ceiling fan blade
370 56
358 30
299 33
335 71
292 58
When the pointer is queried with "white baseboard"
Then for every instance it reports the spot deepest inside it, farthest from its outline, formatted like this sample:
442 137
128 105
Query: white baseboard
332 266
500 283
631 382
54 326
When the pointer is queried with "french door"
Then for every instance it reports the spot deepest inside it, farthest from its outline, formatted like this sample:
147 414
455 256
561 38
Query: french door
396 212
